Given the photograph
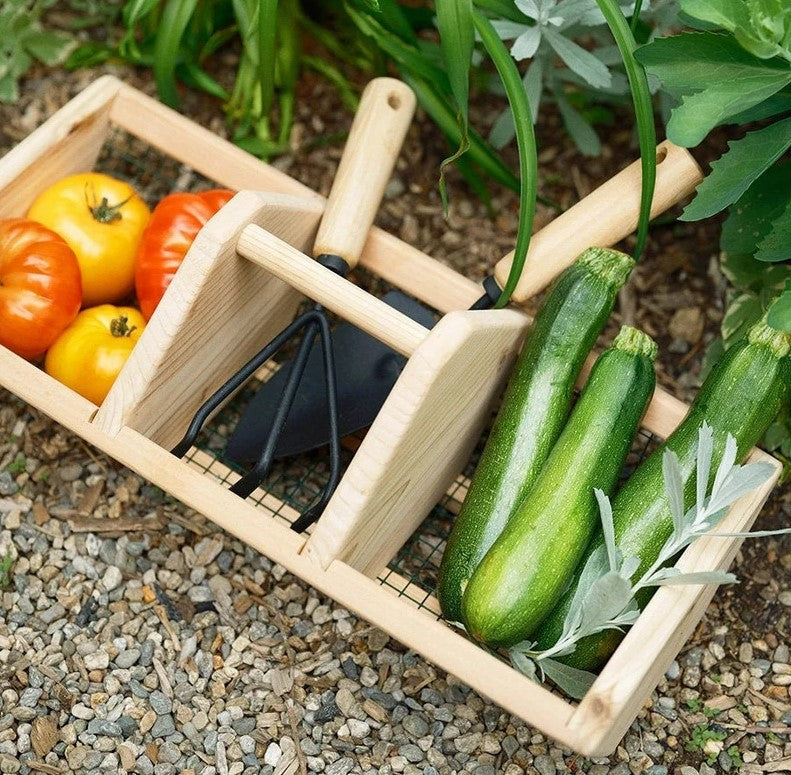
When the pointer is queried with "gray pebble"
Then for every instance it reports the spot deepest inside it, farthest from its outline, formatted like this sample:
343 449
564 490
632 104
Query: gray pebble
160 703
415 725
544 765
411 753
164 726
146 652
127 658
30 697
244 726
341 767
7 484
100 726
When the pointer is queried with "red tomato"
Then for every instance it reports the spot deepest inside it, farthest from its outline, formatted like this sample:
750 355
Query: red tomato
40 287
174 224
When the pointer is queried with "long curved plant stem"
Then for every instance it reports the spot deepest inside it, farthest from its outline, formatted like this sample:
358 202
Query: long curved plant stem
643 108
526 143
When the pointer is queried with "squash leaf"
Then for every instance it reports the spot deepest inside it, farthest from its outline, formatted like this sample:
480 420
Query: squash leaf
733 173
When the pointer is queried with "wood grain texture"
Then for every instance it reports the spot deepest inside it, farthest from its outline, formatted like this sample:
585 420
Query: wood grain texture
420 440
374 143
602 218
217 313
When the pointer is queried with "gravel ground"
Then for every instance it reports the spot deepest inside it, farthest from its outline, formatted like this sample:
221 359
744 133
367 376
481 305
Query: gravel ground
170 647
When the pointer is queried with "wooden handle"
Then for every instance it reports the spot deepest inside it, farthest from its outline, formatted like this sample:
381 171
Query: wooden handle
601 219
375 140
330 290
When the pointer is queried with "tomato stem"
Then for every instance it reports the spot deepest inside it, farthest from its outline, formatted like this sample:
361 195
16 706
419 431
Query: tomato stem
119 327
104 212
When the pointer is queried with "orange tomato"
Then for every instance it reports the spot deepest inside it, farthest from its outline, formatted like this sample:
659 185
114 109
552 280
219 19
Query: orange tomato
40 289
102 220
174 224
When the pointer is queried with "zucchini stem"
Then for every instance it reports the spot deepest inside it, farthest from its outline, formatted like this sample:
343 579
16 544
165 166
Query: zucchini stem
636 342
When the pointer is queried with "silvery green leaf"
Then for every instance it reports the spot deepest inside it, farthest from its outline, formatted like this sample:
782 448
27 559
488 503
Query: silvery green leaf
529 8
581 132
503 131
508 30
665 577
674 487
607 597
629 567
740 481
605 512
578 59
726 464
753 533
523 663
526 45
571 680
533 80
595 567
705 449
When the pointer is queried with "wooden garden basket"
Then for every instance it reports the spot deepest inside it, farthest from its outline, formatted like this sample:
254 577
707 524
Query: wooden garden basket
365 552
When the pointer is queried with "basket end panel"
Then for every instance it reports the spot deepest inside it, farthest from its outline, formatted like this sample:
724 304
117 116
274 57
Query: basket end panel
420 440
218 312
626 681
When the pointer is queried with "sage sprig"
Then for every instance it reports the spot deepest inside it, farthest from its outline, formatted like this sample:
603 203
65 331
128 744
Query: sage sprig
606 594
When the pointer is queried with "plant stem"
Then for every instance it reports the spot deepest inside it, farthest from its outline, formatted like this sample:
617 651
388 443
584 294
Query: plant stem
526 143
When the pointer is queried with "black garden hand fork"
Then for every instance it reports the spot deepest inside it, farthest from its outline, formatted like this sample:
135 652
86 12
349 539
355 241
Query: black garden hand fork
374 143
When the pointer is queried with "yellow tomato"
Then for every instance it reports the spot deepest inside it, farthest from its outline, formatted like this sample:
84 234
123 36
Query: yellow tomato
91 352
102 220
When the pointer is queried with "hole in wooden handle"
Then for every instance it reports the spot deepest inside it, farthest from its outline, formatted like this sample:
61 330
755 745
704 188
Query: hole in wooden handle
661 155
394 101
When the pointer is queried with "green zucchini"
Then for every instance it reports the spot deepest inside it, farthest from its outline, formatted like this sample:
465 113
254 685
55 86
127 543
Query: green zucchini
533 411
529 565
741 397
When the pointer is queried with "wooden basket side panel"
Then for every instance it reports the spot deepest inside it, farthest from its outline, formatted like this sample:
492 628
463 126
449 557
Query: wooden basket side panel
217 313
638 664
68 142
420 439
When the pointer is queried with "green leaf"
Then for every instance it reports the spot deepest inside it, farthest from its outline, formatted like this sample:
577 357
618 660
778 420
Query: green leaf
49 47
780 312
175 19
750 218
457 38
526 143
572 680
714 78
644 113
772 106
9 91
733 173
727 14
776 245
742 313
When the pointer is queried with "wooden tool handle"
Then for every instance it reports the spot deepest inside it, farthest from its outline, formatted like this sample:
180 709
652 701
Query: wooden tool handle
375 140
602 218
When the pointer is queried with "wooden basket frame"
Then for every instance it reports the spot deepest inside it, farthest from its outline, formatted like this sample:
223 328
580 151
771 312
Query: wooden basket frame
70 141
